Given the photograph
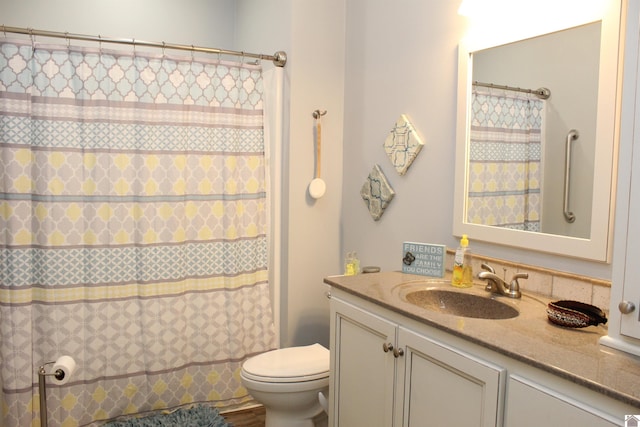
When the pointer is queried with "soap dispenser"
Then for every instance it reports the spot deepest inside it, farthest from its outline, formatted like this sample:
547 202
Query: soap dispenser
462 270
351 264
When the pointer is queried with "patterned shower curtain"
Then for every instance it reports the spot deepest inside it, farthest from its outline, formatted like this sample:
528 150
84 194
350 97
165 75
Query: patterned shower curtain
505 180
133 220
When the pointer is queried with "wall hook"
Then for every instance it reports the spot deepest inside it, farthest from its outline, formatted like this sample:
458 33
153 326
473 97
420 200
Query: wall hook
317 113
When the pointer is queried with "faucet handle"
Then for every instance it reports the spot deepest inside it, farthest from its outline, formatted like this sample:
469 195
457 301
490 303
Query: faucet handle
514 286
520 276
487 267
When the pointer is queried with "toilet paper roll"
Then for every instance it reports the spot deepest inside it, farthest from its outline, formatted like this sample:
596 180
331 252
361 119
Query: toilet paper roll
63 369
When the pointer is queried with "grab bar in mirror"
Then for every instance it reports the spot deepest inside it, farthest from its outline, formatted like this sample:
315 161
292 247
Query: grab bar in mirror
571 136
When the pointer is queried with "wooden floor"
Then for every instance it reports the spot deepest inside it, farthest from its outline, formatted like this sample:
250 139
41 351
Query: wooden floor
252 417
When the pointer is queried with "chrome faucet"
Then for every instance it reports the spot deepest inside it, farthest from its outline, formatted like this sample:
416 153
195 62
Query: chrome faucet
497 285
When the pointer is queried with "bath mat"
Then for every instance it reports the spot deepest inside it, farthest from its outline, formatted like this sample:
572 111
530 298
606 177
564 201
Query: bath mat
198 416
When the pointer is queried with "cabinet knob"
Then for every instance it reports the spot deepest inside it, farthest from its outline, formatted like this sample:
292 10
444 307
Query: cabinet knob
626 307
398 352
387 347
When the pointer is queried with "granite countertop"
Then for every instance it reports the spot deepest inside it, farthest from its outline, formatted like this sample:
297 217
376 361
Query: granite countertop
573 354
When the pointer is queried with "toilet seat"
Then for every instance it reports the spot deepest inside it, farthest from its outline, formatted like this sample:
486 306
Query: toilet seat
289 365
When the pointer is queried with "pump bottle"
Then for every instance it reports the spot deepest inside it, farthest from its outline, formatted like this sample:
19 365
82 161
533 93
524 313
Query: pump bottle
351 264
462 270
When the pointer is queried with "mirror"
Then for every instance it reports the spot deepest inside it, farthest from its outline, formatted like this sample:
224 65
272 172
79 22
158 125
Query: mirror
522 179
569 71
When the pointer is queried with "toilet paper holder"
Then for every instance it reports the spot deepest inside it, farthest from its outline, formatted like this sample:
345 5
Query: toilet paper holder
58 374
42 389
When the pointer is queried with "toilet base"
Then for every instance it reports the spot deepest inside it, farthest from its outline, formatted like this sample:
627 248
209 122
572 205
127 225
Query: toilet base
321 420
297 409
294 408
275 419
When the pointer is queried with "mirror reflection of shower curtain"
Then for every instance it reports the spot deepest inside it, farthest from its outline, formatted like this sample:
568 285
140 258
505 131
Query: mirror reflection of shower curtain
505 152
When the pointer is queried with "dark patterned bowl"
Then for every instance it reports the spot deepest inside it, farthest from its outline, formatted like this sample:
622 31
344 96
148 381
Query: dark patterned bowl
574 314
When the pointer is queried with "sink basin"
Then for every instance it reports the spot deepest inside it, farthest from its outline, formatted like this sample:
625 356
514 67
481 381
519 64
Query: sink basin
461 303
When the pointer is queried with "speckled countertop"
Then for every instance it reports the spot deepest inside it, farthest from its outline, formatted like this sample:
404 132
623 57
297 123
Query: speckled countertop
573 354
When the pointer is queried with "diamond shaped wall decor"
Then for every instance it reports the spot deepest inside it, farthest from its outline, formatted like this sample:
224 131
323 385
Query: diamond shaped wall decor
402 145
377 192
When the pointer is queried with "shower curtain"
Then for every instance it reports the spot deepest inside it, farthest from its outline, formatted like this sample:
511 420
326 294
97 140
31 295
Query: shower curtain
134 237
505 151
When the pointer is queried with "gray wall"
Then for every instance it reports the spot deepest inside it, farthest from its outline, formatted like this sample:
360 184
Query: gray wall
197 22
401 59
312 33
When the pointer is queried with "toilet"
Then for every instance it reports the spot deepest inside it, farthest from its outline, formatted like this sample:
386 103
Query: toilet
288 382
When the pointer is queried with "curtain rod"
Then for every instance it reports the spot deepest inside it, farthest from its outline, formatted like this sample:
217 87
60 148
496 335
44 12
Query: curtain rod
542 93
279 58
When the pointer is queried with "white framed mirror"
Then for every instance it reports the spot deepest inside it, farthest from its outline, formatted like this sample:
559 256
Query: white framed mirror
579 64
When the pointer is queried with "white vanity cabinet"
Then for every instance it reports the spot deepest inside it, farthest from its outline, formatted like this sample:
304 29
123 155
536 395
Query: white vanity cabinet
384 374
390 369
530 404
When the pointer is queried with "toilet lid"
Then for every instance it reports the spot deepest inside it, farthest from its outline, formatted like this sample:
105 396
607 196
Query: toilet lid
293 364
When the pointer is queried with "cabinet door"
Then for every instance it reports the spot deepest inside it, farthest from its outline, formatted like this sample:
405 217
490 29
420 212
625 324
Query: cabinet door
442 386
630 322
532 405
362 373
626 268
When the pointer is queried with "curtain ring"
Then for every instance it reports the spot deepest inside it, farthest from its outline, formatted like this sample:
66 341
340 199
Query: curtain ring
163 47
4 30
66 34
193 51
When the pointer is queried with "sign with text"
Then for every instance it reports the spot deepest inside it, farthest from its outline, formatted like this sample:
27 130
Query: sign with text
423 258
